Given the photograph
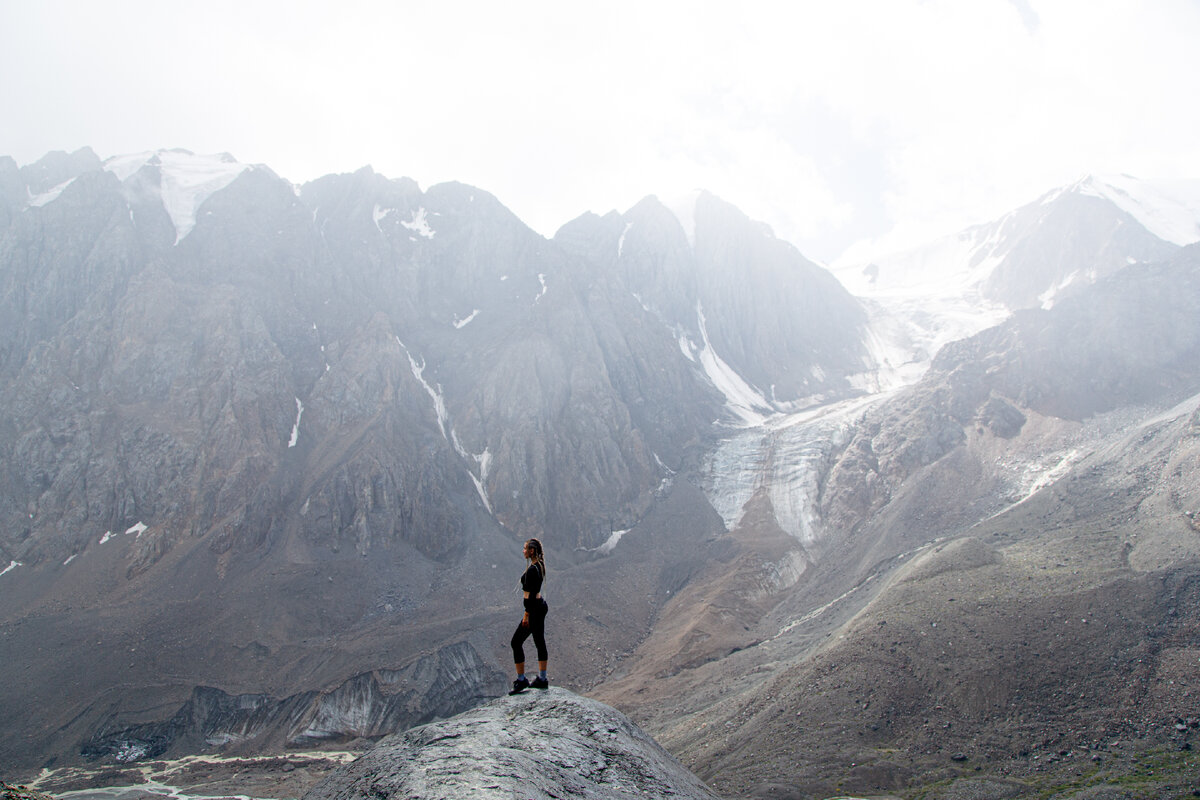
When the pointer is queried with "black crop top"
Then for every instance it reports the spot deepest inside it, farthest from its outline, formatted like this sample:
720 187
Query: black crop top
531 581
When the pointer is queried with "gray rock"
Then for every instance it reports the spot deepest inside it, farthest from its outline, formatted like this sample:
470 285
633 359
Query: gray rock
1002 418
1101 793
535 745
981 789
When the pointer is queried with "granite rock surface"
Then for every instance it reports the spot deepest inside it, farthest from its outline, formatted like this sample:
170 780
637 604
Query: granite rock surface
539 744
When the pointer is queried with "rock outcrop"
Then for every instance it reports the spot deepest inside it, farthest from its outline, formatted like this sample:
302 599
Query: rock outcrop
536 745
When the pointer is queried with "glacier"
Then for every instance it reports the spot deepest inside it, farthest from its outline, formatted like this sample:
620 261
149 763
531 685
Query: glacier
186 180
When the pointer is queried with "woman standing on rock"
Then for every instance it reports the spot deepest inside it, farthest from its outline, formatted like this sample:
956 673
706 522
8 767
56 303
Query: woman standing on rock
534 620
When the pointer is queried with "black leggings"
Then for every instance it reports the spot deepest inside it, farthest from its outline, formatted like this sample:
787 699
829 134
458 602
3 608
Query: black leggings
537 627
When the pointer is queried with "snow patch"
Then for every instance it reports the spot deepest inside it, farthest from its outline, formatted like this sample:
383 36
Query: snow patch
1030 477
439 403
621 241
186 180
612 540
951 267
70 558
687 348
11 566
380 214
137 529
37 201
462 323
296 425
746 402
895 357
1049 296
542 280
420 224
1169 209
483 460
123 167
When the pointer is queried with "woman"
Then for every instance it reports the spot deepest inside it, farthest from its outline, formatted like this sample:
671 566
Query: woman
534 620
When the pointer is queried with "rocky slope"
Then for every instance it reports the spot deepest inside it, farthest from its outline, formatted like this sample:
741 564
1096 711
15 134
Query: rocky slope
1013 587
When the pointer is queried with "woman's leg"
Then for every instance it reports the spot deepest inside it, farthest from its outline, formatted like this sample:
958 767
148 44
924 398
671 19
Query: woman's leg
537 627
518 640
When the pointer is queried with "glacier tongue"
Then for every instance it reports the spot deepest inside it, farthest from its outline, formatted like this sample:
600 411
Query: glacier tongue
186 181
781 457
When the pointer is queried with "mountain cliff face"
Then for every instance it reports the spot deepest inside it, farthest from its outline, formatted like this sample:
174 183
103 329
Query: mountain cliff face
780 330
268 440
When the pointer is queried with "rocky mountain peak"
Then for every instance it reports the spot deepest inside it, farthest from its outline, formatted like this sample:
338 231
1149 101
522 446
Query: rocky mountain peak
770 328
54 168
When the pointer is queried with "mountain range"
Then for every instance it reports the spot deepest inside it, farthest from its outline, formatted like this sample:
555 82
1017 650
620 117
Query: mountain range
268 454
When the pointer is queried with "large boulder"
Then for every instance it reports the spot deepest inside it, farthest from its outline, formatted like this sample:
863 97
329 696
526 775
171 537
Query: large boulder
537 744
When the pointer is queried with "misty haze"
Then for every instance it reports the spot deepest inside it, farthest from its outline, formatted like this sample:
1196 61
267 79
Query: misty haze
845 487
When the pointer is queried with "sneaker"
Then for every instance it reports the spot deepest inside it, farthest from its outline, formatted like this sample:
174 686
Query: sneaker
520 685
540 683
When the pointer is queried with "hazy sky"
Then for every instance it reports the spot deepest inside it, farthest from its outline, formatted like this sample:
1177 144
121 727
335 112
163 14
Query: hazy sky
834 122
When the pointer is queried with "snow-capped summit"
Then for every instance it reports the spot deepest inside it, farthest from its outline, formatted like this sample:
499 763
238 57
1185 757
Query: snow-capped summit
1169 209
182 179
1098 224
186 180
1031 257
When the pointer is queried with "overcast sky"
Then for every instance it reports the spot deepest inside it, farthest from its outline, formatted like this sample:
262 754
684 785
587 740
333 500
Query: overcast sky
834 122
